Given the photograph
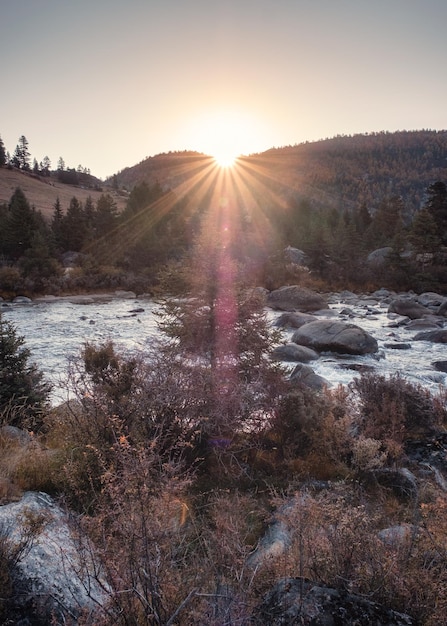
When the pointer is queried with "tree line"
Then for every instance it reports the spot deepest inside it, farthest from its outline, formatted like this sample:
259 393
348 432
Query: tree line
140 239
21 159
337 243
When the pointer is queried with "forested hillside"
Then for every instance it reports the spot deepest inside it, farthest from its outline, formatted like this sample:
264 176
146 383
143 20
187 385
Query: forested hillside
337 200
342 172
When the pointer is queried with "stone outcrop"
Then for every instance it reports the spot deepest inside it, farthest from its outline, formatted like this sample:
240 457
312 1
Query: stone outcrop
295 298
335 336
55 579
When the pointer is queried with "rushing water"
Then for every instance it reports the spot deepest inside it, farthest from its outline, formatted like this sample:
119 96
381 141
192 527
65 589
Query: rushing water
57 330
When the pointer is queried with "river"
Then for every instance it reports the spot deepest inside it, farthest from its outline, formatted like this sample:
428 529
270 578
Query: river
56 330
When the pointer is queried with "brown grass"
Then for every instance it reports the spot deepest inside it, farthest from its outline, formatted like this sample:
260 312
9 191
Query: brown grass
42 193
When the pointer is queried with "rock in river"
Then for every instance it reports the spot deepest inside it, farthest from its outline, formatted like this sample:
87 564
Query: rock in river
295 298
334 336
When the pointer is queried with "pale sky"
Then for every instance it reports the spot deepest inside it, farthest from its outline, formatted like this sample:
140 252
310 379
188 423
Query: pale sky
106 83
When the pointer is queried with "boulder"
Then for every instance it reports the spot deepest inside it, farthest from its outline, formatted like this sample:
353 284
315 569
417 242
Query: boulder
379 257
293 320
301 601
54 577
294 352
22 300
409 308
335 336
428 323
435 336
441 366
430 299
305 375
397 346
442 310
295 298
400 481
295 256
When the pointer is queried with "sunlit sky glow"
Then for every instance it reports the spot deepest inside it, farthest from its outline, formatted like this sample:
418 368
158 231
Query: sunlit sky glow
106 83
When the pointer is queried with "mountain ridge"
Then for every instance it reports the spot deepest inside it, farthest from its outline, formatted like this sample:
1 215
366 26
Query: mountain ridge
342 172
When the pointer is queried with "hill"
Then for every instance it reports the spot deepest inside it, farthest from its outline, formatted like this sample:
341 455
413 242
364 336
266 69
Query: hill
342 172
42 192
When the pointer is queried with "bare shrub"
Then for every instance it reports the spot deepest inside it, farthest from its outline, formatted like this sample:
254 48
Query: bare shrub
394 410
311 431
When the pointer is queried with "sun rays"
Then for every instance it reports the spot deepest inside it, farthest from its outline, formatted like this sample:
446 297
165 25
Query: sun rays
240 202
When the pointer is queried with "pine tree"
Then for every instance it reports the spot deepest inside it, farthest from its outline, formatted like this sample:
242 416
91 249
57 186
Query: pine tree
3 160
21 156
222 330
23 392
437 205
20 225
424 234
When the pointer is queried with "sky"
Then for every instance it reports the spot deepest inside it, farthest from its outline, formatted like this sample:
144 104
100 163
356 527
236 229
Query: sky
106 83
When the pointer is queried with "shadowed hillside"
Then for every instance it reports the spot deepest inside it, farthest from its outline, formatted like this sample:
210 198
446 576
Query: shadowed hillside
343 172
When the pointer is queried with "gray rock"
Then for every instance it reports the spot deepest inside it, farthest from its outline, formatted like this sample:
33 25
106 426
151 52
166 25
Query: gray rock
397 346
294 352
128 295
295 298
305 375
441 366
379 257
51 574
401 481
22 300
409 308
435 336
301 601
335 336
14 434
430 299
397 535
427 323
295 256
442 310
294 320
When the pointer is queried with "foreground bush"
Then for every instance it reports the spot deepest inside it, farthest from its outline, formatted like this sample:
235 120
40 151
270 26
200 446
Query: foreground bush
23 391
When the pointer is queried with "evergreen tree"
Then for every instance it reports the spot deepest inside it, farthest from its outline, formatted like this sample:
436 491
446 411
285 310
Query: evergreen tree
424 234
23 392
362 219
20 225
73 227
21 157
106 215
387 221
225 340
3 160
45 166
56 224
437 205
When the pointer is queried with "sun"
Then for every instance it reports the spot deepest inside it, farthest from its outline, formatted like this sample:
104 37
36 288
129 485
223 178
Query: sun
225 135
225 157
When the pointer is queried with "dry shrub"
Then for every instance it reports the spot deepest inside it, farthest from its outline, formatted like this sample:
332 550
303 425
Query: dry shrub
26 465
143 534
335 541
312 432
393 410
